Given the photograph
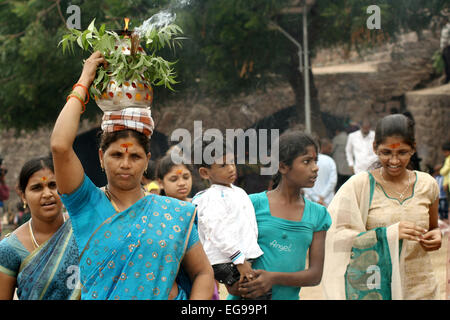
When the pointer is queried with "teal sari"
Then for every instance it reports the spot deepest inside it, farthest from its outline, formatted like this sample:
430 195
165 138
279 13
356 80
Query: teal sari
369 272
51 271
133 254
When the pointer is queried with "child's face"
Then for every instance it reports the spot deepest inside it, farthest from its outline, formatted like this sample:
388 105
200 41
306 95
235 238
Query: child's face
303 171
177 183
221 173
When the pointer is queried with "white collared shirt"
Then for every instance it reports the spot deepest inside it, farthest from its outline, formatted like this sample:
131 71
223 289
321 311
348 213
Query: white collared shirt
445 36
227 224
359 151
326 180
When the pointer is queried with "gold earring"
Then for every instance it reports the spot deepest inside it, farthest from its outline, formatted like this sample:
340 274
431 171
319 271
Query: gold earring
24 205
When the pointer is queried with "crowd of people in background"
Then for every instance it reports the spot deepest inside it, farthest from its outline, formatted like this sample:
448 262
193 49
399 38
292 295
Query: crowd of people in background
223 208
349 206
347 153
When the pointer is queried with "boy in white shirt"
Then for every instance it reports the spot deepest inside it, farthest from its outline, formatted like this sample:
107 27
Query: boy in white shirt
226 223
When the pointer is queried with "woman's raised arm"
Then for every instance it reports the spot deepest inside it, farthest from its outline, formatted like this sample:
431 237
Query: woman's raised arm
68 169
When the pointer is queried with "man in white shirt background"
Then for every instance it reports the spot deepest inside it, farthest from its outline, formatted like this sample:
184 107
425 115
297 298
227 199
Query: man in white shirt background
323 190
359 148
338 154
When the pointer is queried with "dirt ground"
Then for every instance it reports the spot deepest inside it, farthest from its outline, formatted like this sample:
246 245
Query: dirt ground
438 259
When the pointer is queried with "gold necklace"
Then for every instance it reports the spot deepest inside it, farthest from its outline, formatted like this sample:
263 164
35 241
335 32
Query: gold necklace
109 195
30 228
401 195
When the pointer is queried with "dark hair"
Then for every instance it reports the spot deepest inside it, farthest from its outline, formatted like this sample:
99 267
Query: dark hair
395 125
446 146
291 145
107 138
203 144
166 163
150 173
31 167
409 116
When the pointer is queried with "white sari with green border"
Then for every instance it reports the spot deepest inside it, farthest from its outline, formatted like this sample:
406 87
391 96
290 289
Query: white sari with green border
359 264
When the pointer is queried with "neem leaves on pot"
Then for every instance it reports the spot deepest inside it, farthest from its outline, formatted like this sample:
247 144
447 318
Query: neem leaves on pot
131 71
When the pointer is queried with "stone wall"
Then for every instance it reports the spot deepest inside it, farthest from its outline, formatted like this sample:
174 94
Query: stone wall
431 111
400 77
375 84
239 112
17 148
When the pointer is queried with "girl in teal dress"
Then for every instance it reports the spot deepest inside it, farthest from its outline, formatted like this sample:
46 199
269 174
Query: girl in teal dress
131 244
289 225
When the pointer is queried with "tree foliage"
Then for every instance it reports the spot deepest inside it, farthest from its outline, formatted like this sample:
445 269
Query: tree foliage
230 48
36 76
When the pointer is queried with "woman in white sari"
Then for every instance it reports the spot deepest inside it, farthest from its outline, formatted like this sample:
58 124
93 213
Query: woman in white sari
384 223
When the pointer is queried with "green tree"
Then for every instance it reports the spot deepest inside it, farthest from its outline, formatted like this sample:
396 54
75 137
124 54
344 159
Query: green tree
235 48
231 47
36 76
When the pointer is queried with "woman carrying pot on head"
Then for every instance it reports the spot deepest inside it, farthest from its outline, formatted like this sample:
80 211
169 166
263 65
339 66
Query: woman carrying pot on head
131 244
385 222
40 258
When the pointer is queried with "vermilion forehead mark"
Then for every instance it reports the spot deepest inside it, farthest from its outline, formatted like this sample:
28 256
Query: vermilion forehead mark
394 145
126 145
44 179
179 171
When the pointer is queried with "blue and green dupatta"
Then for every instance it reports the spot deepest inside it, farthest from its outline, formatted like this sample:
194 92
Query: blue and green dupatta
51 271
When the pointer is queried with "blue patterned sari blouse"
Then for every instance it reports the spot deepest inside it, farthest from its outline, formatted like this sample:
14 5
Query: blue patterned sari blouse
133 254
50 272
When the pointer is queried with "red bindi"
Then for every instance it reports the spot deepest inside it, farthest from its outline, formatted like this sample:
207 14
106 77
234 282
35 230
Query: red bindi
126 145
394 145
